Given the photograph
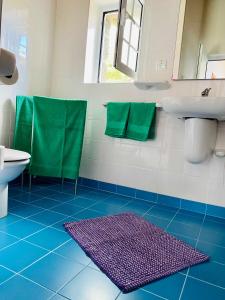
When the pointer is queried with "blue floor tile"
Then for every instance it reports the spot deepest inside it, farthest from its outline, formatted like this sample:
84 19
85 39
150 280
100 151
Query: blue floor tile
138 207
216 253
107 208
139 295
23 289
163 223
6 221
20 255
60 225
74 252
98 195
25 210
191 231
89 214
118 200
58 297
67 209
23 228
48 217
189 218
49 238
82 202
46 203
162 212
210 272
186 239
5 274
92 285
197 290
213 233
28 197
53 271
69 273
62 197
169 287
6 240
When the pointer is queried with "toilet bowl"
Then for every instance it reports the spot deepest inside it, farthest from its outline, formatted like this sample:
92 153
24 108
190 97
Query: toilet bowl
12 164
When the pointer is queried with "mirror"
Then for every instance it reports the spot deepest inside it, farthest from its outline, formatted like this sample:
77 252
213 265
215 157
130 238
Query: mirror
200 48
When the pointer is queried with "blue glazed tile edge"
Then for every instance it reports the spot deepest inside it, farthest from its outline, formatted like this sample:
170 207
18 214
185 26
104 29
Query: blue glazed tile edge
175 202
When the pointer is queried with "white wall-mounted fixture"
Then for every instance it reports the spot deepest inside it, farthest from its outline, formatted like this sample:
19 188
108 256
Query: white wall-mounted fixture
142 85
219 153
200 115
8 70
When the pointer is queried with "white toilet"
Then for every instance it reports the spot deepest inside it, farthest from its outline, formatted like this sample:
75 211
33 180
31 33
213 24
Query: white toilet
12 164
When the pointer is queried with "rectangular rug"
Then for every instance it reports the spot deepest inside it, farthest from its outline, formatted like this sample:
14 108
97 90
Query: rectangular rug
131 251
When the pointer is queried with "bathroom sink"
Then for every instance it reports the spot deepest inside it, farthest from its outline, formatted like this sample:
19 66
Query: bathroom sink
195 107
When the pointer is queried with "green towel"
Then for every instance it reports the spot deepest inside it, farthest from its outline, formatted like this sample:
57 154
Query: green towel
23 123
141 121
117 116
57 137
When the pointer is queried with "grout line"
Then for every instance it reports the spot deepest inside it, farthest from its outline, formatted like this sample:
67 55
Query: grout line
206 282
187 275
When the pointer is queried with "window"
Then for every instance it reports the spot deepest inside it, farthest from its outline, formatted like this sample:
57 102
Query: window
113 39
129 32
107 71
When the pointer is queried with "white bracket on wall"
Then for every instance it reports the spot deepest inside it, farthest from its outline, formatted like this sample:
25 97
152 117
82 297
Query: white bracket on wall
142 85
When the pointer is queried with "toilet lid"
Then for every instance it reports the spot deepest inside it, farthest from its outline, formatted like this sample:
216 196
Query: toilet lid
15 155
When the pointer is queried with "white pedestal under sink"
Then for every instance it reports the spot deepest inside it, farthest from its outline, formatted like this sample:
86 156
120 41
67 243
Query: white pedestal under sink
200 115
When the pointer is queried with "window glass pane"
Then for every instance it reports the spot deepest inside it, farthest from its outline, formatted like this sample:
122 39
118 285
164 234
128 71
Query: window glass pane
215 69
107 72
130 5
127 30
132 59
124 56
137 12
134 36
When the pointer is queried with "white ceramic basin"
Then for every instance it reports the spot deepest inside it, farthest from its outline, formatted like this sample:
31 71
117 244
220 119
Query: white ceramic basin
195 107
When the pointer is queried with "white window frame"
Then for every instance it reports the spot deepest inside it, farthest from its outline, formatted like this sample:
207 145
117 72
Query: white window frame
123 14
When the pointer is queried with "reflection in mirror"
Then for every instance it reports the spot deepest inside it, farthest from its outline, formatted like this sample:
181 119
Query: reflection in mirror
200 49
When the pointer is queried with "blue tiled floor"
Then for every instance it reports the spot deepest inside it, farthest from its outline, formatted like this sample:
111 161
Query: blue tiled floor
39 260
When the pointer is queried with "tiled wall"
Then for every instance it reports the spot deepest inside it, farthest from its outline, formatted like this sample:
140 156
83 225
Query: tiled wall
28 31
156 166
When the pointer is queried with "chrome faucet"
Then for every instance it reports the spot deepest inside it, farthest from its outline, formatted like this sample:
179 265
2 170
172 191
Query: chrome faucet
206 92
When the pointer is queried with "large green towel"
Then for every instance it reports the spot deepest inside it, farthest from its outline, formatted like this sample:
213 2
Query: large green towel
117 116
23 123
57 137
141 121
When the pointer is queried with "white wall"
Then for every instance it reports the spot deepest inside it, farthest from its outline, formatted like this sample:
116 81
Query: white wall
35 21
159 165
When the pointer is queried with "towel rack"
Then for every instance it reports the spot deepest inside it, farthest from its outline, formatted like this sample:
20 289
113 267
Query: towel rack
158 106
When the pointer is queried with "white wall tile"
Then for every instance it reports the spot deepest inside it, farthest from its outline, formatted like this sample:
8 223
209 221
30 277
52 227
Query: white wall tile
158 165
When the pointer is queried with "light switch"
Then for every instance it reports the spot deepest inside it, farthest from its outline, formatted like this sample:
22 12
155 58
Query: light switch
161 65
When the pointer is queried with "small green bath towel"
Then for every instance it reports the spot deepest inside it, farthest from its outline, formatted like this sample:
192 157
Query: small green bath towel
117 117
141 121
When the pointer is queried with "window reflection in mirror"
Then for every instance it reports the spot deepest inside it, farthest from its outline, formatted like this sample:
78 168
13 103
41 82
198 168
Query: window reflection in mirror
200 50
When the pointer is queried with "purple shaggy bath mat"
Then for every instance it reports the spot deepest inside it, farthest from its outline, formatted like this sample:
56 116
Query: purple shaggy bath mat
131 251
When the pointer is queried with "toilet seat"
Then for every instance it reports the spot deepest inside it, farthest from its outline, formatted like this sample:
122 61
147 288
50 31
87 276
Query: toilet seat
11 155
